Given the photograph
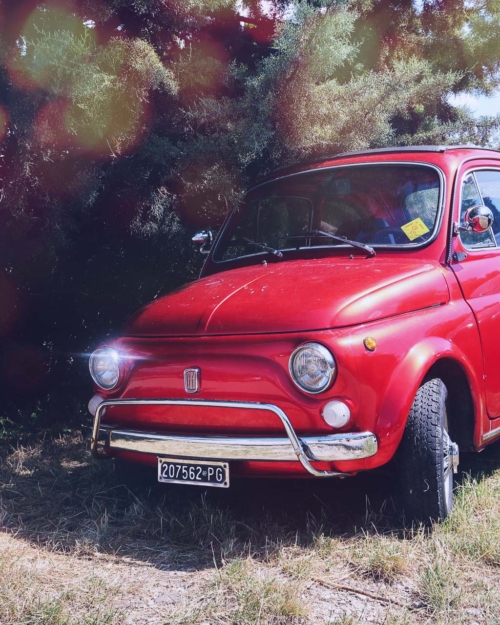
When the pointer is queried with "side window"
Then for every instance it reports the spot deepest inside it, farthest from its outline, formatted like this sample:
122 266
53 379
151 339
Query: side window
471 197
489 186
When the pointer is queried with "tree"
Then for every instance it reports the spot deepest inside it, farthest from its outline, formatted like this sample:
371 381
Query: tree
124 125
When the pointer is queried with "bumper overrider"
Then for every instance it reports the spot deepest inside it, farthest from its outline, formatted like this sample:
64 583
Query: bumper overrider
306 449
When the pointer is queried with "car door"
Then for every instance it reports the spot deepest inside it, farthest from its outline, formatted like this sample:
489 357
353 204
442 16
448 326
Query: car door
476 264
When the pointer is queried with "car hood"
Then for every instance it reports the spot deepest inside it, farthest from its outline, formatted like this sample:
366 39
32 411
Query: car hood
294 296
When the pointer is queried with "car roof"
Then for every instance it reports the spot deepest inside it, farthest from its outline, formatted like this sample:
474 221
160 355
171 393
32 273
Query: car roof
414 148
294 167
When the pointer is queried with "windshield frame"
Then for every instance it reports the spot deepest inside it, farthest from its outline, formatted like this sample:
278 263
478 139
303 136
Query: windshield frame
378 246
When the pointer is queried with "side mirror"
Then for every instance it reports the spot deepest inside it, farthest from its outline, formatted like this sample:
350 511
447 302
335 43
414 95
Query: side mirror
478 219
204 239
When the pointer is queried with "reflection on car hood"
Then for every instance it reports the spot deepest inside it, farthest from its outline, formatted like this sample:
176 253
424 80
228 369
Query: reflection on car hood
294 296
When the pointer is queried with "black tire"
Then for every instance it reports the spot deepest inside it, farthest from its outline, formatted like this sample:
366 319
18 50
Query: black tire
426 457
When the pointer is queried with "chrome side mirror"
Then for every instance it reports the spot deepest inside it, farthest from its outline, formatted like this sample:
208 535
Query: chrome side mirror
204 239
478 219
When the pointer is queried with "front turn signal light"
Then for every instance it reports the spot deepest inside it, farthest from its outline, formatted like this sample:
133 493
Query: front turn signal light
336 413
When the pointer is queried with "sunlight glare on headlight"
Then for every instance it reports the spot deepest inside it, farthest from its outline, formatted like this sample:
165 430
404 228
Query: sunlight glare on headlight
105 367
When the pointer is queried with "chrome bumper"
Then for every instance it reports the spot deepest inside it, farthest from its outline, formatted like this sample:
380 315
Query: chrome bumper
330 448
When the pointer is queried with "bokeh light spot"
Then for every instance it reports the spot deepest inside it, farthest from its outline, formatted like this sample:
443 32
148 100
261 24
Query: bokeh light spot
51 125
4 122
52 40
202 67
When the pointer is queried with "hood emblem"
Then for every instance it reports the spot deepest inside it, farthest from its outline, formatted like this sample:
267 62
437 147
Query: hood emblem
192 380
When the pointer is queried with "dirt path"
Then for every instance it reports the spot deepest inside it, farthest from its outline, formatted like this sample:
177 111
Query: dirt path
143 594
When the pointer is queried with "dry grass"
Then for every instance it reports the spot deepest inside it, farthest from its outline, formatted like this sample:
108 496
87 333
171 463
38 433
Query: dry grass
27 599
248 594
55 495
383 558
474 529
259 554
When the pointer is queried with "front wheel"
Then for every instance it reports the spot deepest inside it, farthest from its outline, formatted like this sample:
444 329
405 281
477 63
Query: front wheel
427 456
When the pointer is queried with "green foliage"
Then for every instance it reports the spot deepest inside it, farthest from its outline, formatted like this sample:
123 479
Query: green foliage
102 89
126 124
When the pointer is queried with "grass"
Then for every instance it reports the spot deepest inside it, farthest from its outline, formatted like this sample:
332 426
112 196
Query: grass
245 593
474 528
262 553
27 599
438 586
381 557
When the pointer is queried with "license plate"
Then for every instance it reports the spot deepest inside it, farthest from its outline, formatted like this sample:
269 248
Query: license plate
198 472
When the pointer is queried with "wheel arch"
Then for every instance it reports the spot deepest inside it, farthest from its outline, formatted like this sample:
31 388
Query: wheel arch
462 416
435 357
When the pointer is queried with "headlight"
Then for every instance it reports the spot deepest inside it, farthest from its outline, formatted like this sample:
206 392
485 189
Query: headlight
312 367
105 367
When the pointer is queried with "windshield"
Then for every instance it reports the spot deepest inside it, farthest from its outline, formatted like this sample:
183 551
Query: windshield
378 205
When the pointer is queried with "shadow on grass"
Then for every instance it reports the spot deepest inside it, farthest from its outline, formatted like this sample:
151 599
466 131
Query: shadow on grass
480 465
54 495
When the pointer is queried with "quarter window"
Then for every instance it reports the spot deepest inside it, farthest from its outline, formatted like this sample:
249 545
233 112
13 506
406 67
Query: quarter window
471 196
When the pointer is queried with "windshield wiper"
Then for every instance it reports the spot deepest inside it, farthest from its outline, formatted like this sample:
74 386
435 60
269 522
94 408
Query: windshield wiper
320 233
262 246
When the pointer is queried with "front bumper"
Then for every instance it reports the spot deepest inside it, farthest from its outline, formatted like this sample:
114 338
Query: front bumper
329 448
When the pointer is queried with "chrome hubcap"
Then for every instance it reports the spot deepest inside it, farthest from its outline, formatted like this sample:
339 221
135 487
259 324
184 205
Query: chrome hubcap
450 466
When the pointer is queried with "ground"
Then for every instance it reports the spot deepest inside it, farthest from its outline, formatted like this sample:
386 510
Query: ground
78 547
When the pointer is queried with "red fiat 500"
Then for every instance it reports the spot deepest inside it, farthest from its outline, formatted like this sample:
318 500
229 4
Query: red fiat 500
348 312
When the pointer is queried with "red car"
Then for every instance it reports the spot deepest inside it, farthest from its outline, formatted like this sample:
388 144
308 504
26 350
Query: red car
347 313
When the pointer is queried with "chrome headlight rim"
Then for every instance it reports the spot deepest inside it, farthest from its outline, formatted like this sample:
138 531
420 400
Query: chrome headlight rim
109 351
326 354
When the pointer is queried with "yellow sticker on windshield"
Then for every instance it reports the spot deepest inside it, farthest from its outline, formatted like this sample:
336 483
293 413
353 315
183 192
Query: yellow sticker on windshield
414 229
